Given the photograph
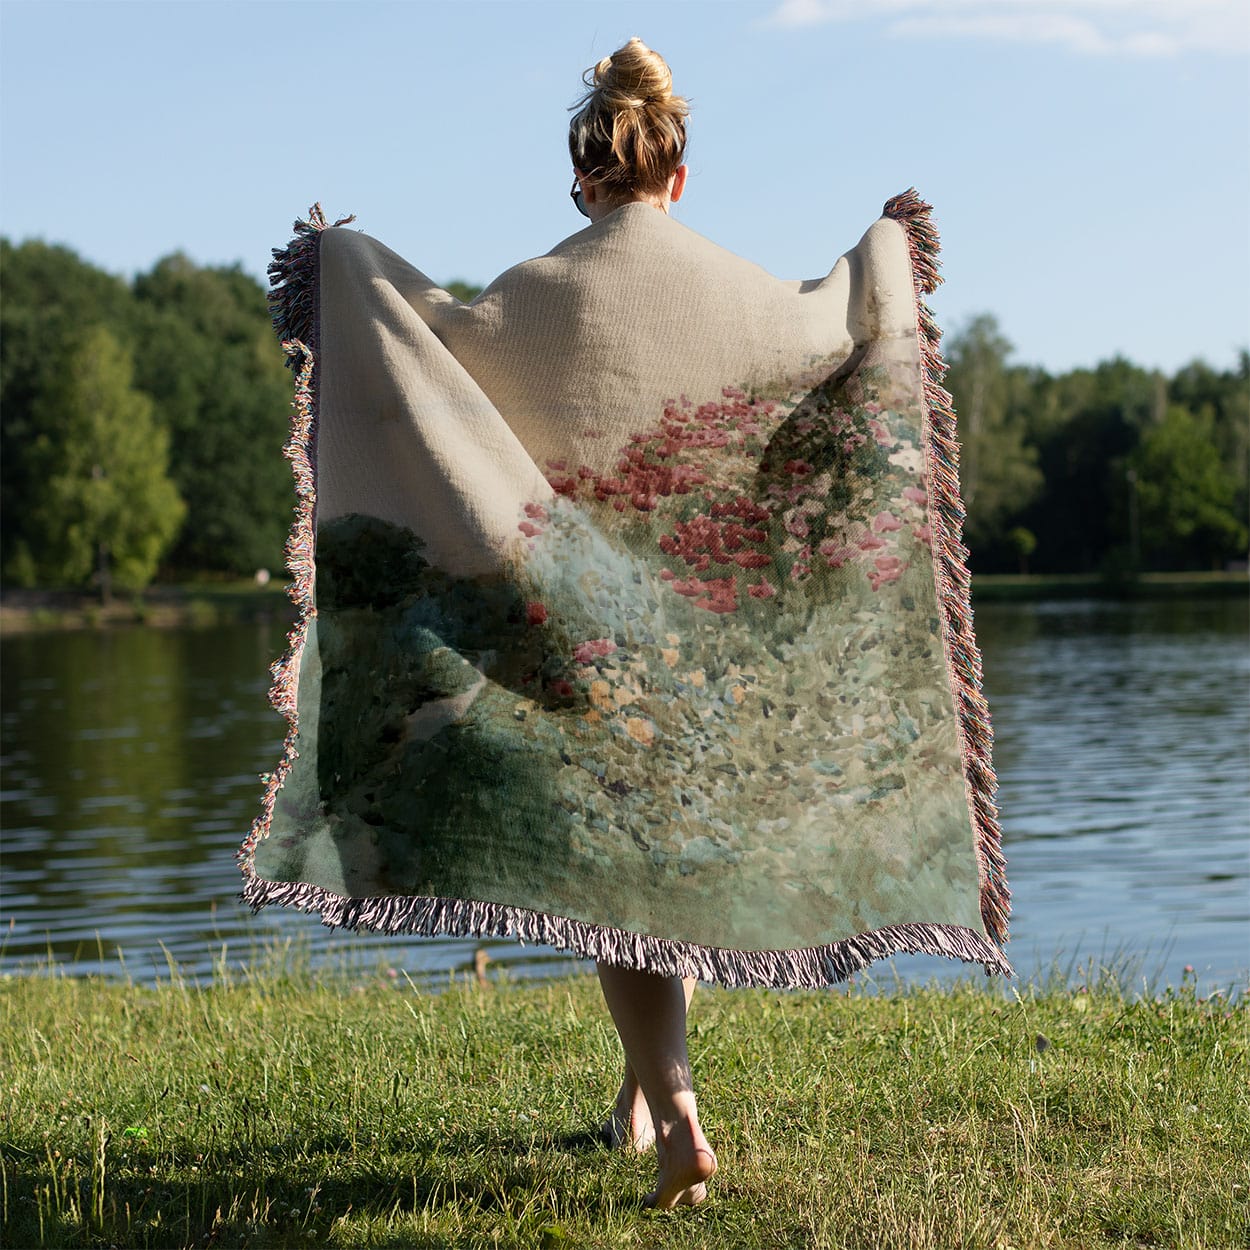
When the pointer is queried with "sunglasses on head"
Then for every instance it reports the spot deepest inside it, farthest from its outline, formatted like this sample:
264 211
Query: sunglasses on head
576 196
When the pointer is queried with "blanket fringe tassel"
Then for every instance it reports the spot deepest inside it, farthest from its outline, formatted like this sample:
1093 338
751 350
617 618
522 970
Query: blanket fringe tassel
293 305
293 302
808 968
954 585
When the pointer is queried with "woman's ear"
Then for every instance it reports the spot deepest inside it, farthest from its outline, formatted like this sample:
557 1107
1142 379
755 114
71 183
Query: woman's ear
678 184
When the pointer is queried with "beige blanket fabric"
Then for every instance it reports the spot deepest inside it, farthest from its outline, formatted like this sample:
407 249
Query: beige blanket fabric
635 616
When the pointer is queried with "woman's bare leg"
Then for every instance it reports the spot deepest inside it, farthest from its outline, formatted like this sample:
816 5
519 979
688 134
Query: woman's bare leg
650 1015
629 1124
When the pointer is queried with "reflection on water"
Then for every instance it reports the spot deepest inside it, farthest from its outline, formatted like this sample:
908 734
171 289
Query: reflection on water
131 758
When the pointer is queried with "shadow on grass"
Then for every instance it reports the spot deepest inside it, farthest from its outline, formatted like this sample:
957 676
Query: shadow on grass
263 1197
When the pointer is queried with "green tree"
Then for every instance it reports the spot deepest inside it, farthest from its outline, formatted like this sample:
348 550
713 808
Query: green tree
997 467
51 298
1085 424
1222 397
1185 495
1024 543
464 291
208 357
105 505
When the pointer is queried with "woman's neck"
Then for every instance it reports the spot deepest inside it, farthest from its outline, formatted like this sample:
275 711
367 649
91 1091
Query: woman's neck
601 207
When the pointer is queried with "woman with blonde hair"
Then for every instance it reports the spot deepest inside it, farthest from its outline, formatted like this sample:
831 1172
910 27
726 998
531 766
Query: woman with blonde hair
628 144
634 616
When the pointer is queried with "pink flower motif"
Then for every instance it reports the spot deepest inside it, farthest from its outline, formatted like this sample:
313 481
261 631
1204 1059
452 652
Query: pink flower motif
889 569
535 512
870 542
797 525
586 652
719 594
797 467
752 559
886 522
535 613
924 533
529 529
880 433
913 494
562 688
836 555
762 589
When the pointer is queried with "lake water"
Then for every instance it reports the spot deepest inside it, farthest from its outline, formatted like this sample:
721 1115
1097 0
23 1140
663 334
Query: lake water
130 762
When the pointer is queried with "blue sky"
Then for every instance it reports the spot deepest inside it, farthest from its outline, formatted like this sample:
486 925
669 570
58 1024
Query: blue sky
1089 160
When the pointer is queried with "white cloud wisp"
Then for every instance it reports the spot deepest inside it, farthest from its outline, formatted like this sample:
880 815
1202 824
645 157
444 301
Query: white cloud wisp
1132 28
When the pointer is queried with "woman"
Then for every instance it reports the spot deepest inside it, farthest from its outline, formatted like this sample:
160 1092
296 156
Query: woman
638 623
628 141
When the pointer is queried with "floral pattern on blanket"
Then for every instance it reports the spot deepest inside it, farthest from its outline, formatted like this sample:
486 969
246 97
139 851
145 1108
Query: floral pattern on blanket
711 698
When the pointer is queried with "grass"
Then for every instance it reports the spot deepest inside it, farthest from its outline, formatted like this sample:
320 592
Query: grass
285 1108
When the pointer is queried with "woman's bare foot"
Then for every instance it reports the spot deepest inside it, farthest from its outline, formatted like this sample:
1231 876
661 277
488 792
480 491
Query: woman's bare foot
629 1126
686 1165
649 1011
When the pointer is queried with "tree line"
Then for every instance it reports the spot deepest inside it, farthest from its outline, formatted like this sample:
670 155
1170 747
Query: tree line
142 423
1113 470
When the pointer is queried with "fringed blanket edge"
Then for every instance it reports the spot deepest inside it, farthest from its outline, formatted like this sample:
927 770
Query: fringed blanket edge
954 583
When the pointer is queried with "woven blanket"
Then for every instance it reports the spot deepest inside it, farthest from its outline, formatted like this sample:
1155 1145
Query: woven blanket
634 618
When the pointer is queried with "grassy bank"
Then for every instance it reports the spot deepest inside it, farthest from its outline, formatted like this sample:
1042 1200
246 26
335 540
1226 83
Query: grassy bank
285 1110
187 604
998 587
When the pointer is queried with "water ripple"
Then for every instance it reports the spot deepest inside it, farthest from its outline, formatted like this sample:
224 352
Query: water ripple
131 764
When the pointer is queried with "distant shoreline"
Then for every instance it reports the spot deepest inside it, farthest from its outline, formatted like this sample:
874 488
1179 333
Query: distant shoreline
1003 587
174 606
193 604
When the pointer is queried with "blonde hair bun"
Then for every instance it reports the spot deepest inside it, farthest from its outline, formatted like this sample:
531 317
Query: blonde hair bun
632 77
629 131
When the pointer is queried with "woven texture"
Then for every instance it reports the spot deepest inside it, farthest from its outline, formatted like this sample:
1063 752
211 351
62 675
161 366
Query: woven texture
634 616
